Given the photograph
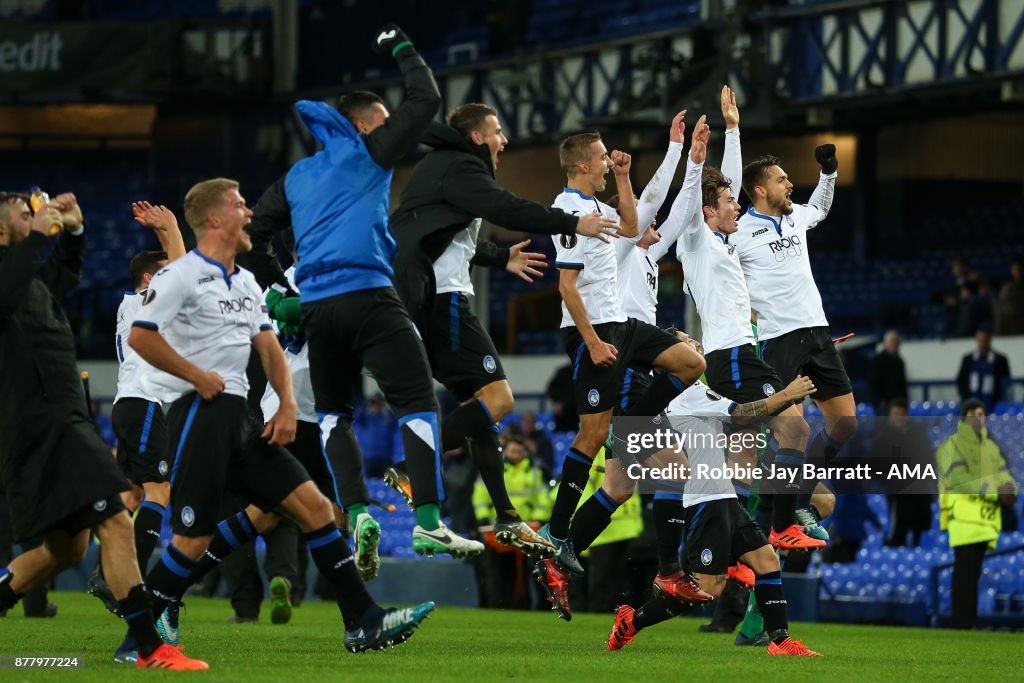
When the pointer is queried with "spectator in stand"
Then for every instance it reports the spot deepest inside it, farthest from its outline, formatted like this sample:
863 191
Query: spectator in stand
506 570
563 400
542 451
900 438
984 373
974 311
888 373
375 428
1010 305
847 531
974 482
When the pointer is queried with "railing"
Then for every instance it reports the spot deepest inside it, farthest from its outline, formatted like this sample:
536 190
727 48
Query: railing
933 588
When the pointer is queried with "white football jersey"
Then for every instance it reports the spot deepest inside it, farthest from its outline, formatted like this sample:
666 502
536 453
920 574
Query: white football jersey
773 254
712 271
302 386
451 269
132 369
700 414
598 282
208 316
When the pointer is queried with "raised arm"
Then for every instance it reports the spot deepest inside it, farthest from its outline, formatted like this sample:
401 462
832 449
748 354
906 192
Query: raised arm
821 198
732 159
164 225
686 209
63 270
390 142
629 225
671 228
656 190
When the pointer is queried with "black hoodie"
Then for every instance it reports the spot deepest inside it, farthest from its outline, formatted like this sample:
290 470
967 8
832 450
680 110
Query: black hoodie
450 188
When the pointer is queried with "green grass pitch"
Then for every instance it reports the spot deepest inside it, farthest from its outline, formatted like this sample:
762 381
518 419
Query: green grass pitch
486 645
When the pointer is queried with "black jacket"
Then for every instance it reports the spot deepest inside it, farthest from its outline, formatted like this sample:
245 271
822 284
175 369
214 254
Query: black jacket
387 144
40 386
451 187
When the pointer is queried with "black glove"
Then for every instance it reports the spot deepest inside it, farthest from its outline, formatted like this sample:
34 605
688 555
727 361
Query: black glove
388 38
826 157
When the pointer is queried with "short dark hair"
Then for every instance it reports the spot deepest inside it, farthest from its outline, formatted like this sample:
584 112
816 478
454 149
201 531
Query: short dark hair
356 104
145 262
712 180
510 439
8 198
468 117
899 402
756 173
574 149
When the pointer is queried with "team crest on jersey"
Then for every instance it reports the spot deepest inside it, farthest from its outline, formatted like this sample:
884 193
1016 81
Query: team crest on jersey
712 396
568 241
789 220
706 557
148 297
769 390
489 364
188 517
593 397
99 505
162 468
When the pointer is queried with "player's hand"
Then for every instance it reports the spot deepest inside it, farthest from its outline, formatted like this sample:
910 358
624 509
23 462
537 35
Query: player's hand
209 384
677 131
799 388
45 220
825 155
70 212
596 225
280 430
159 217
730 112
525 263
602 354
699 140
388 38
621 163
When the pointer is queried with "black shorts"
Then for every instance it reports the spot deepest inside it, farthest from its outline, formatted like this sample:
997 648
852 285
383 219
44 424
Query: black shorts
141 440
599 389
739 375
89 516
369 328
462 354
809 352
217 448
718 533
307 450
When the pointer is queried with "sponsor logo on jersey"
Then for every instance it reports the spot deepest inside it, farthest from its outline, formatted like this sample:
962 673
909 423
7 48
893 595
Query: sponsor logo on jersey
787 247
489 364
204 280
188 517
236 305
759 232
593 397
768 389
706 557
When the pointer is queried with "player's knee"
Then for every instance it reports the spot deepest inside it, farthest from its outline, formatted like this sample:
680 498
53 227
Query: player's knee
713 588
843 428
763 561
158 492
619 491
498 399
191 547
790 427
